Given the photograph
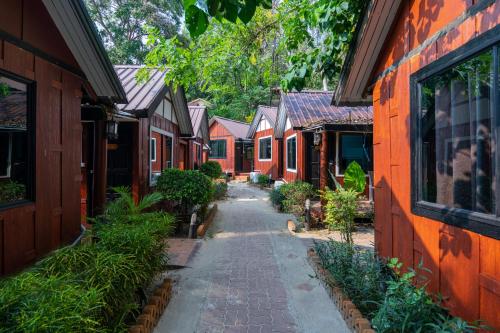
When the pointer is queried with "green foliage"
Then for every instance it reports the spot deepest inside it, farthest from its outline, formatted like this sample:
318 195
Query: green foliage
198 13
354 177
11 191
384 294
212 169
92 287
4 90
277 197
263 180
295 195
190 187
340 211
220 190
121 25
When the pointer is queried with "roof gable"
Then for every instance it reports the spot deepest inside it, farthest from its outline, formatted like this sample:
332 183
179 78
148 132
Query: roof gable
199 121
269 113
237 129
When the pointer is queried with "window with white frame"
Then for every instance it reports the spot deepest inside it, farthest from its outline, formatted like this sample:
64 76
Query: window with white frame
265 148
291 153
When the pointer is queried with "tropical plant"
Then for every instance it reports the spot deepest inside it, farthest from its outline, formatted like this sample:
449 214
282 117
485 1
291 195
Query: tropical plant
354 177
212 169
263 180
277 197
340 211
295 195
220 189
190 187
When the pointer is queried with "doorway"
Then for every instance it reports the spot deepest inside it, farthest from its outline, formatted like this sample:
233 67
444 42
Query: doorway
87 170
120 159
312 161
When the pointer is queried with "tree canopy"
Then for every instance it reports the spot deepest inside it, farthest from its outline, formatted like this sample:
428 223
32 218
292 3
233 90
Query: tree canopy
121 25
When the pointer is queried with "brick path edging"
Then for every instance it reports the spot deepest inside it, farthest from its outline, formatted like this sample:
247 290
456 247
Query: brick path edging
151 313
202 228
352 316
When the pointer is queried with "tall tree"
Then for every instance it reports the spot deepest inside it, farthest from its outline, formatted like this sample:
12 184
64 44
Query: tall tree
121 24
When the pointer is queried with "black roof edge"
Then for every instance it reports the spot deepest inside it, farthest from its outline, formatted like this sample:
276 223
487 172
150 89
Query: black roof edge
91 29
346 67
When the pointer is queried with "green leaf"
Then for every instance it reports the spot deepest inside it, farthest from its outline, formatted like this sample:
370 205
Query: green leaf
213 7
230 11
196 21
188 3
247 11
354 177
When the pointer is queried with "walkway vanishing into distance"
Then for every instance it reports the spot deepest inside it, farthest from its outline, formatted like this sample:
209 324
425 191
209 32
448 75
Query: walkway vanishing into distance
249 275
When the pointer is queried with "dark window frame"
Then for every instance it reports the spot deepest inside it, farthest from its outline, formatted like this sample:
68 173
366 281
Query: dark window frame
261 140
31 141
484 224
218 157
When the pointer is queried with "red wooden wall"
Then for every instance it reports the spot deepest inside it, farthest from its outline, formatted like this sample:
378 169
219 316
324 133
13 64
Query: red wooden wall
219 132
465 266
266 167
300 174
32 230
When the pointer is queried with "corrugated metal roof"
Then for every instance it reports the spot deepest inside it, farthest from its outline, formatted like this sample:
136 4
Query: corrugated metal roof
199 121
311 108
80 34
269 112
141 96
237 128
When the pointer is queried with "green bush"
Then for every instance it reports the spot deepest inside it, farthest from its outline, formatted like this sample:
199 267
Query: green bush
212 169
220 190
190 187
340 211
92 287
277 197
384 294
11 191
354 177
295 195
263 180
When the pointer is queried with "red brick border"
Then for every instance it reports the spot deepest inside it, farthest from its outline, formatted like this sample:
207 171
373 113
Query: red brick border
151 313
352 316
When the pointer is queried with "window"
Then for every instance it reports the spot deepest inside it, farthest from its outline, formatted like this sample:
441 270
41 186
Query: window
455 145
291 153
15 99
169 152
265 149
153 149
218 149
355 147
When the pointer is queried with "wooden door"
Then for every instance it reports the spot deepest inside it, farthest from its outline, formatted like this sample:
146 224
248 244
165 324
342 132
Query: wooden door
312 162
87 170
120 159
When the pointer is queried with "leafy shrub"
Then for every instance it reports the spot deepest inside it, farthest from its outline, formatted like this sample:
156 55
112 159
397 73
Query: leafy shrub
263 180
295 197
11 191
220 190
277 197
190 187
212 169
354 177
340 211
384 294
92 287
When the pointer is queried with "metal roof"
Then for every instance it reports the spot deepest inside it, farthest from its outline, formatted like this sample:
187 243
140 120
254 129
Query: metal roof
269 112
313 108
238 129
199 121
80 34
143 98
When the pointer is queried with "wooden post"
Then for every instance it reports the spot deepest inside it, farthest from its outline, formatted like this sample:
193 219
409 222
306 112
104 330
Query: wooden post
323 163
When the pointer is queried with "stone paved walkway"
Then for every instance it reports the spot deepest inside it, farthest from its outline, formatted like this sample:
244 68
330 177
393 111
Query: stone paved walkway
252 276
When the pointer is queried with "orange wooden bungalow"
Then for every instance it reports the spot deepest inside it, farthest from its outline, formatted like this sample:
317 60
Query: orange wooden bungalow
48 69
199 145
320 140
154 129
268 151
431 70
229 145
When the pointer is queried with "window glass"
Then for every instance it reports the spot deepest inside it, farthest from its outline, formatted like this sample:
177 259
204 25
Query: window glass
291 153
13 140
265 149
168 152
218 149
355 147
153 149
457 146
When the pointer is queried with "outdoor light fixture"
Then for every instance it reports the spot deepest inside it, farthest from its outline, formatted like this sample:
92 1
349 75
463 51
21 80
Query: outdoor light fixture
112 129
317 138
